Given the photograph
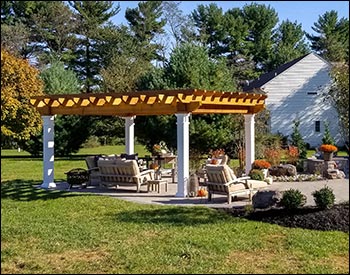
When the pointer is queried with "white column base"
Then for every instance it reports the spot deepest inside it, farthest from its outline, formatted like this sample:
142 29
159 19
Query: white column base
45 185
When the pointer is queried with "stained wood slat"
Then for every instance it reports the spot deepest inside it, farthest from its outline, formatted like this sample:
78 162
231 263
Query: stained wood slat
194 101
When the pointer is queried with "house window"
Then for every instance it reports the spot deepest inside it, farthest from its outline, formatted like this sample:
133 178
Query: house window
317 126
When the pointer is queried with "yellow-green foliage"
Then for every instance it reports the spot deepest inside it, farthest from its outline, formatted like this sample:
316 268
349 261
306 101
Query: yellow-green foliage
19 81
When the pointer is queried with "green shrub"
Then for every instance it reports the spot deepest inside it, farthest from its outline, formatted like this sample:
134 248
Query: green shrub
327 137
248 209
256 174
324 198
292 199
91 142
297 140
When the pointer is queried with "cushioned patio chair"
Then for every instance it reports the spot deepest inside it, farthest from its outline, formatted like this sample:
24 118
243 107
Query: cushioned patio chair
121 172
91 163
202 173
222 180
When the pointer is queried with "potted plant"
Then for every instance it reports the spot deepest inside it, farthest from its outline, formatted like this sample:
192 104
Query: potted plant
215 155
160 149
262 165
328 150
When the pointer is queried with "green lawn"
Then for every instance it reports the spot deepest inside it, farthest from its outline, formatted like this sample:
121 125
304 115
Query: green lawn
107 150
66 232
112 149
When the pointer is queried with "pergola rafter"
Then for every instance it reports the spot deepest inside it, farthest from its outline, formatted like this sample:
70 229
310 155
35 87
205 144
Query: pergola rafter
163 102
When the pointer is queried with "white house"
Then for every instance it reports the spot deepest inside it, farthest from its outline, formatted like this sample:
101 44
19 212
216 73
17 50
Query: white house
296 90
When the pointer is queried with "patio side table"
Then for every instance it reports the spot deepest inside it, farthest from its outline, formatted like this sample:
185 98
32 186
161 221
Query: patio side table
154 185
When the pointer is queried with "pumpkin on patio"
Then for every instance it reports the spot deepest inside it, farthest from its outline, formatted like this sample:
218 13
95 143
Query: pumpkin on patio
154 166
202 193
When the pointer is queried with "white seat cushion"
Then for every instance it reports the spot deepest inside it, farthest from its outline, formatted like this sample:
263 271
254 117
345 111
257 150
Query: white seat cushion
257 183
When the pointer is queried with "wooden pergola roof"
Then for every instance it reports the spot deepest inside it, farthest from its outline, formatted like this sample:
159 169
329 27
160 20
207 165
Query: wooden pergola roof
163 102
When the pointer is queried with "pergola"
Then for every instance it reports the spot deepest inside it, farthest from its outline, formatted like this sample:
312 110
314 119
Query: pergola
182 103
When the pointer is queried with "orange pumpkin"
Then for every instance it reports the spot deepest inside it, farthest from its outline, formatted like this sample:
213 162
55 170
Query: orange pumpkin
202 193
154 166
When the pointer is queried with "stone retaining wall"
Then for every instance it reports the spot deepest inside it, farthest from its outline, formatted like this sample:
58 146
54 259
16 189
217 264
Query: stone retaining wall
317 166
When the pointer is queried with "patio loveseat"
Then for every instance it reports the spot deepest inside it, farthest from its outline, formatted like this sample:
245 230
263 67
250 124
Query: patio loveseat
120 172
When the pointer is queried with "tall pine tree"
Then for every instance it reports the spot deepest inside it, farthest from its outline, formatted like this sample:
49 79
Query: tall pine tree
261 20
92 16
209 21
289 44
145 24
332 39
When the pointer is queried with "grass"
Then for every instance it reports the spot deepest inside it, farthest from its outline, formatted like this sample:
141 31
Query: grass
106 150
67 232
112 149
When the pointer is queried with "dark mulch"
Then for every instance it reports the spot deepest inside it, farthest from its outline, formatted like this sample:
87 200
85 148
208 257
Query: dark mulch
308 217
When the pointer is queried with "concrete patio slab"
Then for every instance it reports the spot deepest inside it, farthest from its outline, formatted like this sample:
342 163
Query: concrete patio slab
340 189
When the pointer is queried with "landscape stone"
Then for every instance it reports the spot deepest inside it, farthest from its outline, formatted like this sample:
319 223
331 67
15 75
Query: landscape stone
283 170
266 198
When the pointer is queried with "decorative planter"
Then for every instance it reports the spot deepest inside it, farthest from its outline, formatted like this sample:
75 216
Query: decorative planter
193 185
265 172
327 156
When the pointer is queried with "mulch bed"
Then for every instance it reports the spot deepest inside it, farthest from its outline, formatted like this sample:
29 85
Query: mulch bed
307 217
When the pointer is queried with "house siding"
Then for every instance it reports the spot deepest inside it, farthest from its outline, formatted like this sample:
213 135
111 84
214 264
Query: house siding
288 99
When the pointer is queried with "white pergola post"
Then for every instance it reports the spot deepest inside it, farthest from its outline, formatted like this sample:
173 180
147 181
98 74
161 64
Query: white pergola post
183 155
249 142
48 152
129 134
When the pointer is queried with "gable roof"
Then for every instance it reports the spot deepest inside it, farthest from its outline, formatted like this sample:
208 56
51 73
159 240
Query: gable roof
264 78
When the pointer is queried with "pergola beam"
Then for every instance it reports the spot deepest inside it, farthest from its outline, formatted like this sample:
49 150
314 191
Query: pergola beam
150 103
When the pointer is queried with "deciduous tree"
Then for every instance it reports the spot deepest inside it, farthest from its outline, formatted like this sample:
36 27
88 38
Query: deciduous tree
71 131
19 81
177 23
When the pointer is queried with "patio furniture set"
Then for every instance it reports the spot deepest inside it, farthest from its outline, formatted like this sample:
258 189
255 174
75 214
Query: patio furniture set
122 170
116 171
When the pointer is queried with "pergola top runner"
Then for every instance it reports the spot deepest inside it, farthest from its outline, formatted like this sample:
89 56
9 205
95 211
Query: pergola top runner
154 102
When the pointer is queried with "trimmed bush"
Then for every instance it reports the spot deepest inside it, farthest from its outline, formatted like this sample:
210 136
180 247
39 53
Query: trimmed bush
292 199
256 174
324 198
